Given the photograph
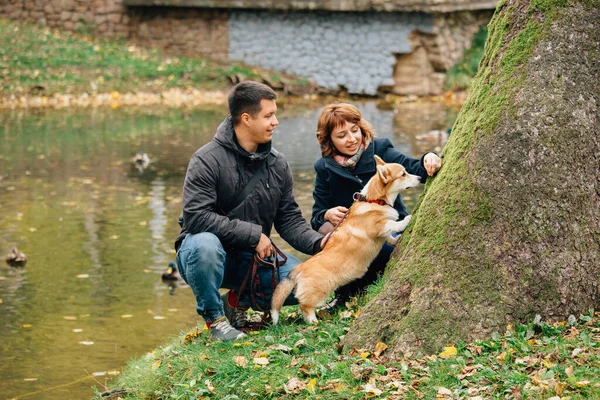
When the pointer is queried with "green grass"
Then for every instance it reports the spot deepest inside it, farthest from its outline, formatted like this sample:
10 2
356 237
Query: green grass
460 76
297 361
36 60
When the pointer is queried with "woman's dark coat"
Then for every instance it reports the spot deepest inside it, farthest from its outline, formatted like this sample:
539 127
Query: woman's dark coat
336 185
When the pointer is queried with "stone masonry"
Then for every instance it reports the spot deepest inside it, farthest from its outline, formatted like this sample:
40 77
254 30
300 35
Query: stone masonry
363 46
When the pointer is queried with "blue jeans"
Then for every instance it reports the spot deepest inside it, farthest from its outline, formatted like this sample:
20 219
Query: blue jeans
205 265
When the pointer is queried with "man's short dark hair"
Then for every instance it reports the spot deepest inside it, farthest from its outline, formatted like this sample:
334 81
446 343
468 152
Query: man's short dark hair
245 97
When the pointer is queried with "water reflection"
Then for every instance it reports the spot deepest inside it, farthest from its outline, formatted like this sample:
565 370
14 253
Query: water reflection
98 234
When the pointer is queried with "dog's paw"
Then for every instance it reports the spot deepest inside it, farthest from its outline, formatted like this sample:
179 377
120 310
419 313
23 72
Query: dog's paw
407 219
391 240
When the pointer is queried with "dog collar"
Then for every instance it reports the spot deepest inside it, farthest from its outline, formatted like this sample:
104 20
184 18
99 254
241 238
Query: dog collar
359 197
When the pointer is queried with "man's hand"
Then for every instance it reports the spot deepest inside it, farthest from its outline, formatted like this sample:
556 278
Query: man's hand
264 248
325 239
432 163
335 215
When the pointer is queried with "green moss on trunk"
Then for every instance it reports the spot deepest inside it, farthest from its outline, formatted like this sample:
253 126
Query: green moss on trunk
458 286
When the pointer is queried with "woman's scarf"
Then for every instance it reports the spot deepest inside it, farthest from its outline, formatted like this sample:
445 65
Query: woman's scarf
350 162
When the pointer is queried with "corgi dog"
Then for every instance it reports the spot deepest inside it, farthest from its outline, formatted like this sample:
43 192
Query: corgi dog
370 221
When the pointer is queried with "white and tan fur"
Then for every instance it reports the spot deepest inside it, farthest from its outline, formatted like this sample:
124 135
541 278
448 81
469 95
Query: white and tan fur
352 246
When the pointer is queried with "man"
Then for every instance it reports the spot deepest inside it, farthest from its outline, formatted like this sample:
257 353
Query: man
218 239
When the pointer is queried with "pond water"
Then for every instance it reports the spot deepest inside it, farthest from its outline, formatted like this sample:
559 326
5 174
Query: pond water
98 234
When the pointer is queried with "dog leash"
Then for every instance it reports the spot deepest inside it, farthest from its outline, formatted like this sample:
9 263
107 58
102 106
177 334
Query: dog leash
279 258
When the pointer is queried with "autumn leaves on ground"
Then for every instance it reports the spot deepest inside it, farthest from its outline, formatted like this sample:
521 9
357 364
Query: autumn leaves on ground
542 360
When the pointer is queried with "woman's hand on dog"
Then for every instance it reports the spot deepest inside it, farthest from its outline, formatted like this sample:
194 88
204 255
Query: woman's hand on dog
335 215
432 163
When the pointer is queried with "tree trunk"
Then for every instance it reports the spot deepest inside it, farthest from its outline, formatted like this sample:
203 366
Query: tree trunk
510 226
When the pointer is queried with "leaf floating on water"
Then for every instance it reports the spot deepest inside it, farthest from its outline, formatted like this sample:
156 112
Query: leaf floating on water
32 229
147 271
143 223
126 316
114 237
1 301
83 276
86 343
77 330
114 373
158 317
30 379
100 373
173 310
26 326
70 317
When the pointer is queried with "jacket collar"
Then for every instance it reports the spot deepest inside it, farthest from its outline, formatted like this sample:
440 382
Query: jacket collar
365 165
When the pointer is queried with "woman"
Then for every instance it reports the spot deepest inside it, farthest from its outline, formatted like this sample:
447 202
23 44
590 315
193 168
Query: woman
347 148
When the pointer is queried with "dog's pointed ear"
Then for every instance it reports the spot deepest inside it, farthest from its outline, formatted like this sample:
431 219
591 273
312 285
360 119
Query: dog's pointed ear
384 174
378 160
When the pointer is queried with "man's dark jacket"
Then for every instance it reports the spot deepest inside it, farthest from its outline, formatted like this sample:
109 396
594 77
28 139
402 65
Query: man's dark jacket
221 169
335 185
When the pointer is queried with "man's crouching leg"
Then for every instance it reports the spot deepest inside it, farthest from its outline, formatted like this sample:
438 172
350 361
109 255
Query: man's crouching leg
201 263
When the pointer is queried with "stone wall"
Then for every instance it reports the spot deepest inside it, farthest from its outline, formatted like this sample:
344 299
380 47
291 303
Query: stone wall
429 6
351 50
105 17
188 31
422 70
364 52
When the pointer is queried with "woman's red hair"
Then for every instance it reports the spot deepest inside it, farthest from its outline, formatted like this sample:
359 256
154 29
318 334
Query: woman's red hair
334 116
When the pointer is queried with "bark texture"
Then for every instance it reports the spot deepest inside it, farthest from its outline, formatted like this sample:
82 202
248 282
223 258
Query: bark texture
510 226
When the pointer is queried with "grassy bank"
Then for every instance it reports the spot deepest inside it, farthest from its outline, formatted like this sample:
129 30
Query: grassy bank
540 360
42 61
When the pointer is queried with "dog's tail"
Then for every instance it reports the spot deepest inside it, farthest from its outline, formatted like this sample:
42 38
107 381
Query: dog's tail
282 291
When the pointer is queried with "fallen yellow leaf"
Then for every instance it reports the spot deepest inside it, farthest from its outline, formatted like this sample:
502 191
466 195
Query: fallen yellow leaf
156 364
559 387
312 384
501 357
379 348
448 352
